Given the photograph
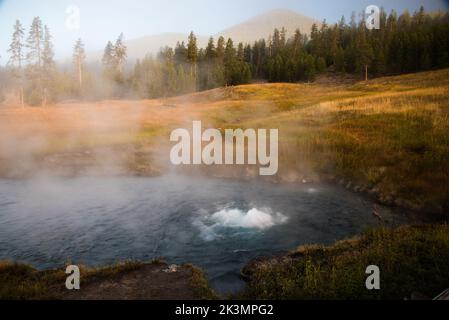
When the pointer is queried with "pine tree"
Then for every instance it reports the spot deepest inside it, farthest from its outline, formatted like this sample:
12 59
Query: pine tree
210 50
109 61
79 58
315 41
180 53
182 82
120 54
48 65
297 42
259 58
283 39
248 54
364 51
220 49
192 54
309 68
229 62
276 43
35 45
210 63
339 61
16 49
169 82
240 52
403 44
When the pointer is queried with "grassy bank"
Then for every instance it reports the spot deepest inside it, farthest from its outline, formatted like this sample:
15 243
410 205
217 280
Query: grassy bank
131 280
388 137
412 262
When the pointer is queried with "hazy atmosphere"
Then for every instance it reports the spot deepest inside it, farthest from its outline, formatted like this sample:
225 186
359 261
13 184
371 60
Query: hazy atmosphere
224 150
102 18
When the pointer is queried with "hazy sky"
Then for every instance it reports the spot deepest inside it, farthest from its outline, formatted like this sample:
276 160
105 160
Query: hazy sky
103 20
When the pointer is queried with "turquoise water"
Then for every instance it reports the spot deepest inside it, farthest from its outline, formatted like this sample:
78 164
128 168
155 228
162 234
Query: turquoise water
216 224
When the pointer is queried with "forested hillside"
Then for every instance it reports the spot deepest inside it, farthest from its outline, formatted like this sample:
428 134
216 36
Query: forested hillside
404 43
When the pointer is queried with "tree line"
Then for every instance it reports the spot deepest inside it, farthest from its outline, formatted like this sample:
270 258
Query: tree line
32 62
404 43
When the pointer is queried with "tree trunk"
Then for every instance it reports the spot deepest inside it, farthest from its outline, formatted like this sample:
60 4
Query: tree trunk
22 102
80 74
366 73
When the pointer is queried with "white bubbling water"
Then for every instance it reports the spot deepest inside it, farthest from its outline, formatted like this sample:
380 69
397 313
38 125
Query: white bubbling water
255 219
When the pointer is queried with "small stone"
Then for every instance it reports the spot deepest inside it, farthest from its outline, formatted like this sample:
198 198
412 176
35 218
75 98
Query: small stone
171 269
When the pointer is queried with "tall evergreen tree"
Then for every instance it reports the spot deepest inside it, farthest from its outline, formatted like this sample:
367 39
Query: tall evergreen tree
35 45
35 42
48 65
17 57
181 53
192 54
220 48
120 54
210 50
109 60
79 59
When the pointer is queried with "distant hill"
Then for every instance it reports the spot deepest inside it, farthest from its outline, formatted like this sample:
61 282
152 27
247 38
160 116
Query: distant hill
138 48
247 32
263 25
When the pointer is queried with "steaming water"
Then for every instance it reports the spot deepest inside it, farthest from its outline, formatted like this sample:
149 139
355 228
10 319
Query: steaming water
216 224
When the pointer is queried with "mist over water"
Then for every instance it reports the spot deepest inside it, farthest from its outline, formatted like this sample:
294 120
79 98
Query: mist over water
216 224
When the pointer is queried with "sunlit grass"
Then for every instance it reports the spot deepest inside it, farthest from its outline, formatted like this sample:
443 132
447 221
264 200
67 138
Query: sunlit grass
390 134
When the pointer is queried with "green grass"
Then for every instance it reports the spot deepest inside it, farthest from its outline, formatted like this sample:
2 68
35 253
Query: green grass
411 260
22 282
200 284
390 135
145 136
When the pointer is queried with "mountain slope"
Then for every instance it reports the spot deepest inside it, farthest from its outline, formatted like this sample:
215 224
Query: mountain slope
263 25
247 32
138 48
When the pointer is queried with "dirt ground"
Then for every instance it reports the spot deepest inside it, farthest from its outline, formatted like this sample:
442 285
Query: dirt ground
147 282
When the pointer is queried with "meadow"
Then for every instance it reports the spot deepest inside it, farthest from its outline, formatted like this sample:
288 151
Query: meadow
412 261
387 137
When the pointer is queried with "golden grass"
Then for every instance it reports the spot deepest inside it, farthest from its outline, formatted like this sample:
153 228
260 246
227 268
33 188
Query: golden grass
412 260
389 134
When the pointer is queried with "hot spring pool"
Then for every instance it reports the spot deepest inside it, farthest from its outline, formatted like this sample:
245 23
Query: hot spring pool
216 224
